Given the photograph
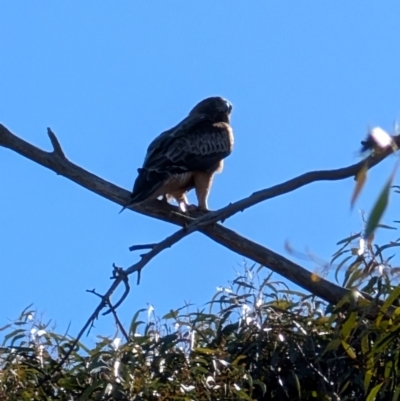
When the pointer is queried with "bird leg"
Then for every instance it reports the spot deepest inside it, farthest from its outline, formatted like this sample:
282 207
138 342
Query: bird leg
180 198
202 183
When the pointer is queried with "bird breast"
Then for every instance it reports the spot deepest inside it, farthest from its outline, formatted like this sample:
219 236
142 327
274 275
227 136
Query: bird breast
219 141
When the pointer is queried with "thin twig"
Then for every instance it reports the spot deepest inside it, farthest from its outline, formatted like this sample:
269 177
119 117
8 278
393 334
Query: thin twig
119 324
155 250
103 303
120 274
140 247
113 311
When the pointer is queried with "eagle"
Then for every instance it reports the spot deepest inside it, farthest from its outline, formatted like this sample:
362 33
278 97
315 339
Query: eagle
187 156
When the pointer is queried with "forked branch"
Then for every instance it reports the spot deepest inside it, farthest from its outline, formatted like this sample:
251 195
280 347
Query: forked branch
322 288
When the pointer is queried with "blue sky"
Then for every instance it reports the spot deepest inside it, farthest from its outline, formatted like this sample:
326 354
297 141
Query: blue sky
305 79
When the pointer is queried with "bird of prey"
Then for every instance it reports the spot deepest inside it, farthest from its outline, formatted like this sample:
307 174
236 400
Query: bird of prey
187 156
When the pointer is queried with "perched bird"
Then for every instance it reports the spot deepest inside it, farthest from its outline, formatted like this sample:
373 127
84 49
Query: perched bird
187 156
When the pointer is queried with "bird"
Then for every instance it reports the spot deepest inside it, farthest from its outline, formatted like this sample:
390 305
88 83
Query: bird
187 157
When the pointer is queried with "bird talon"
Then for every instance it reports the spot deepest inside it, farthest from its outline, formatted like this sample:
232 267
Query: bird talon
183 207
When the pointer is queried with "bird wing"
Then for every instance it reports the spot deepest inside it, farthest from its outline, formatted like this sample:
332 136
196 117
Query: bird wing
167 138
194 144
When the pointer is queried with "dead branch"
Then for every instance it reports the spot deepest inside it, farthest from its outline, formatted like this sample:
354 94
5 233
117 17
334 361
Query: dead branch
155 250
120 275
57 150
105 301
113 311
291 185
140 247
228 238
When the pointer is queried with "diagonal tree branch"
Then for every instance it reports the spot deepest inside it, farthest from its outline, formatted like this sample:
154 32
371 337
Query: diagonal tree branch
57 162
293 184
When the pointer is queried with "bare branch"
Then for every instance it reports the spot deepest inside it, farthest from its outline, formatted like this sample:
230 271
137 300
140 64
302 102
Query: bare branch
119 274
326 290
119 323
116 273
155 250
291 185
94 292
140 247
56 145
105 301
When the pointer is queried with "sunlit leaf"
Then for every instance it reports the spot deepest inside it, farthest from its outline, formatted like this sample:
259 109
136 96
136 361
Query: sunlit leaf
364 344
395 294
361 178
349 349
374 392
293 292
385 340
174 313
348 325
388 369
206 351
281 304
367 379
134 323
377 211
396 393
243 395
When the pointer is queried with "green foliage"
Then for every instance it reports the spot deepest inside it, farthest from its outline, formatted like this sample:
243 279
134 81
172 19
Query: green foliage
256 340
378 210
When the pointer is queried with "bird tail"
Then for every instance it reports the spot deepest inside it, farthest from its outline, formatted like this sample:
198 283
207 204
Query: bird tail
147 182
132 201
135 198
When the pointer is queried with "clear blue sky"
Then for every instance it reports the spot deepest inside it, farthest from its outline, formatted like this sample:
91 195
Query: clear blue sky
305 79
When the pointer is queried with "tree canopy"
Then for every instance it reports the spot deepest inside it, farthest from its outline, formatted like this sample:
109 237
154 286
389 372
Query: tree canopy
256 339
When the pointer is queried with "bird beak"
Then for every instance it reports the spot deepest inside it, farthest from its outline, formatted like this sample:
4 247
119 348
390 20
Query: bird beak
228 106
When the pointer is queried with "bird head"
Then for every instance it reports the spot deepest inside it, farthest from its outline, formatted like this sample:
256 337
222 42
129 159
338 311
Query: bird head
216 108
